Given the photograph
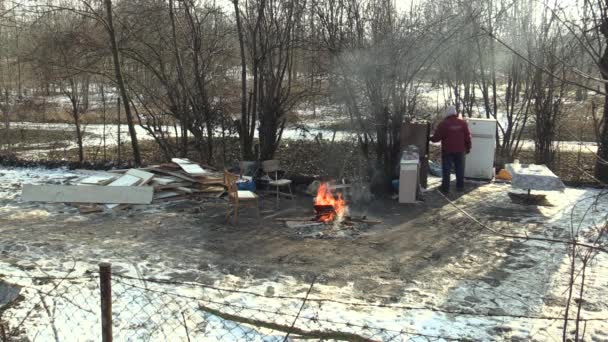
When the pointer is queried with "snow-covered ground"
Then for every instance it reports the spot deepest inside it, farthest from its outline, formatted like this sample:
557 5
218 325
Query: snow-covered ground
509 289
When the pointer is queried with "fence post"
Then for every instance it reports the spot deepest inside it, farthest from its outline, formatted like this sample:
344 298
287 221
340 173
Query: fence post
105 284
2 333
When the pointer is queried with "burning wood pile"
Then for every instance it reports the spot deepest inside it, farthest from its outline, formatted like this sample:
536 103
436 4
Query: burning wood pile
331 217
328 207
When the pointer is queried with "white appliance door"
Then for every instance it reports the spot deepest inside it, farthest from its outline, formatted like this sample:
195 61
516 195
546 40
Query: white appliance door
408 182
480 162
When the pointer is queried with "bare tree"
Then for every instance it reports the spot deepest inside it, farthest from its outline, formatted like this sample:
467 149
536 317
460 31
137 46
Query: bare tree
247 122
268 29
376 68
65 48
109 25
179 49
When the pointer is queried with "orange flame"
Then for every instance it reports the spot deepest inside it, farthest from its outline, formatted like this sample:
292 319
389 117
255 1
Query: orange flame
325 197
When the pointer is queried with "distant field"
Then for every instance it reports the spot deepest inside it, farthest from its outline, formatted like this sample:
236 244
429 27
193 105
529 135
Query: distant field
26 139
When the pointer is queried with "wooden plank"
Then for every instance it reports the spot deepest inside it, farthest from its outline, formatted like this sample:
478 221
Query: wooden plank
213 189
170 166
181 161
118 171
126 180
145 176
212 194
189 167
177 174
172 186
87 194
193 169
211 181
87 209
166 194
118 207
170 199
165 180
187 190
97 180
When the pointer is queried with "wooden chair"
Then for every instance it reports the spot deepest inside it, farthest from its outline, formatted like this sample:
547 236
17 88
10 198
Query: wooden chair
270 166
238 197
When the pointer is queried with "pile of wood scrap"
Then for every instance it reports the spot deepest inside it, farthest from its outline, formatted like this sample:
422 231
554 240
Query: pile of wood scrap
117 189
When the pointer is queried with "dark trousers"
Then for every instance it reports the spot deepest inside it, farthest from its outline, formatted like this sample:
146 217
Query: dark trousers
447 161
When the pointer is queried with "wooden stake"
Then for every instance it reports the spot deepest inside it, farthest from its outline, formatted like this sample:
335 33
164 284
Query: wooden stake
105 284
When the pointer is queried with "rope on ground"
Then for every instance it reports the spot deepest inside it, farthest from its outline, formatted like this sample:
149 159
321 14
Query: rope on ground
312 283
317 334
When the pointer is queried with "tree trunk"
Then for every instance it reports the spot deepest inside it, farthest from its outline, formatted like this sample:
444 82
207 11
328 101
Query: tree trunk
121 85
76 116
246 146
601 166
180 75
79 137
119 148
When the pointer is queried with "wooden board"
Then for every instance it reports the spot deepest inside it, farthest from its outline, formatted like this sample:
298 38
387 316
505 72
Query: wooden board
177 174
145 176
212 194
187 190
190 167
213 189
165 180
171 199
211 181
126 180
97 180
87 194
172 186
166 194
89 208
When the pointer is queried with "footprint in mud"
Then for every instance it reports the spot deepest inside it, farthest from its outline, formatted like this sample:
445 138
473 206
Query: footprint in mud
269 291
472 300
527 262
495 278
499 330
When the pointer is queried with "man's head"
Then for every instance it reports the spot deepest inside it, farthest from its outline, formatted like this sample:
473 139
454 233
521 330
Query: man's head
451 111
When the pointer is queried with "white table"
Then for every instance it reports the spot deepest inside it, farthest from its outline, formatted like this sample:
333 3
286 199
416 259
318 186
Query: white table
534 177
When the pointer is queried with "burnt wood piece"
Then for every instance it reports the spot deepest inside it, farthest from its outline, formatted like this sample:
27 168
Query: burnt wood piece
323 211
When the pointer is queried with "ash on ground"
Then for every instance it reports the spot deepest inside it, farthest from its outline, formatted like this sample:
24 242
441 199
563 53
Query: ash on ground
321 230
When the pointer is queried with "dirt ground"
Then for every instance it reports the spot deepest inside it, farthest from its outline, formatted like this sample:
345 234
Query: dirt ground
192 236
427 254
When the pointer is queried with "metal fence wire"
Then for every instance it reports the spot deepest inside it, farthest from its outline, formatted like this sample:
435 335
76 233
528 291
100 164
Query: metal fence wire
106 306
139 309
61 308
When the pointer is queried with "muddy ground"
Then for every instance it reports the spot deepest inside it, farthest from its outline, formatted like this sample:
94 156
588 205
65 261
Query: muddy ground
192 236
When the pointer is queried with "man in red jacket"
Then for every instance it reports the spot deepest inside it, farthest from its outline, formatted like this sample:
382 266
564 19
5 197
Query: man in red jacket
455 138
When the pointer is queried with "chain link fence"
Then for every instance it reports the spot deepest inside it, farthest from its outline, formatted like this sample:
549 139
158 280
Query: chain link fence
112 306
108 306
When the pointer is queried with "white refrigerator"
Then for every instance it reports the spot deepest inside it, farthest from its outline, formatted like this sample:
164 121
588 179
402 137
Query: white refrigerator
480 162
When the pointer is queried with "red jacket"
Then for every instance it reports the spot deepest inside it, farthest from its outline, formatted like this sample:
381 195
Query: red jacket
454 135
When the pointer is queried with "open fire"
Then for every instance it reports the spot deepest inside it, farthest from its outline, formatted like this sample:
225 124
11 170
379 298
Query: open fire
329 207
